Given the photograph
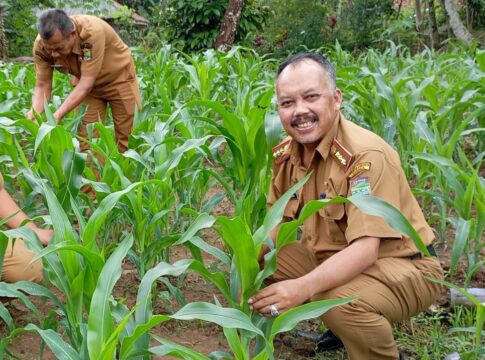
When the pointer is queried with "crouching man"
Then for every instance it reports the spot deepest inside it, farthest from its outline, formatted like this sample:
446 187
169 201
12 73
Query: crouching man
343 251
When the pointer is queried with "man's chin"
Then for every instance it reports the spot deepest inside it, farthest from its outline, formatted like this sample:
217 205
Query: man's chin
306 140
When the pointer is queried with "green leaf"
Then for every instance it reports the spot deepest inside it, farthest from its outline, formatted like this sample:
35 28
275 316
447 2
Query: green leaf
100 322
171 348
61 349
44 130
5 315
203 221
128 345
275 213
225 317
461 239
289 319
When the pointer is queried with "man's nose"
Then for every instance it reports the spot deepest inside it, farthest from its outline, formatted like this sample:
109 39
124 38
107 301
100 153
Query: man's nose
55 54
300 108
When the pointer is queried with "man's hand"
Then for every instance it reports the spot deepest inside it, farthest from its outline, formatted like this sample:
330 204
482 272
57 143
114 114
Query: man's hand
57 117
45 235
284 295
30 115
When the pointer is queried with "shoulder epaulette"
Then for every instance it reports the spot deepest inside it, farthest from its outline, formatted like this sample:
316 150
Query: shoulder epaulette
280 151
341 154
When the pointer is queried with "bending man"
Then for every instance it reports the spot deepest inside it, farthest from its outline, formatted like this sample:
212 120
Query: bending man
101 66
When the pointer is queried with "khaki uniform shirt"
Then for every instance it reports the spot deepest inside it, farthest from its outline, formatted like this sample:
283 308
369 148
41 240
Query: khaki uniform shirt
349 160
98 51
1 181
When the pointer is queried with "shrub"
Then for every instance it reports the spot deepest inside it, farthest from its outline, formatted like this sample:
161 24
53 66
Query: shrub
194 25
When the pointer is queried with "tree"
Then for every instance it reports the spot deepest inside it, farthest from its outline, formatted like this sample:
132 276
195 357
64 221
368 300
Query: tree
230 22
434 35
419 16
3 38
460 31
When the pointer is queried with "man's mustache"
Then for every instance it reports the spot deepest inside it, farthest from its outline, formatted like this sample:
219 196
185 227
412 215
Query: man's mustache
303 118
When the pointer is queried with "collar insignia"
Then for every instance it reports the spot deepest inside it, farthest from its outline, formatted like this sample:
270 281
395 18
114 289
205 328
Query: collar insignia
341 154
280 151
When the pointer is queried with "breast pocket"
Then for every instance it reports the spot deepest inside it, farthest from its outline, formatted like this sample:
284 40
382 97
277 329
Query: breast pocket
331 218
291 209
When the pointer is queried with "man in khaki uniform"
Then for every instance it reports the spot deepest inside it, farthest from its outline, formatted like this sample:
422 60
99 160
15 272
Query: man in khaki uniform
16 263
343 251
101 66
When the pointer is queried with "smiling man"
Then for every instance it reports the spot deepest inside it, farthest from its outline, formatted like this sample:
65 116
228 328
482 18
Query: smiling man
343 251
101 67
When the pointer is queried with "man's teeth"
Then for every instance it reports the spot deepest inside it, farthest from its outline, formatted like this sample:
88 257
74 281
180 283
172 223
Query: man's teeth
304 125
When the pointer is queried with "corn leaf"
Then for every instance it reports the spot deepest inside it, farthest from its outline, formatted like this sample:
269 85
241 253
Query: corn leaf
100 322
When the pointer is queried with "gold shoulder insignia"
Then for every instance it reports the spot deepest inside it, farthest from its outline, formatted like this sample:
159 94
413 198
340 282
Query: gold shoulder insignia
358 169
341 154
280 151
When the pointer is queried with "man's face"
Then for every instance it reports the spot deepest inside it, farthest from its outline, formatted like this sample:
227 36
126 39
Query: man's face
307 103
59 46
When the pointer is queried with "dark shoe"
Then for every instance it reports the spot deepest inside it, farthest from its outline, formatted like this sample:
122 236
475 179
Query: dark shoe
328 341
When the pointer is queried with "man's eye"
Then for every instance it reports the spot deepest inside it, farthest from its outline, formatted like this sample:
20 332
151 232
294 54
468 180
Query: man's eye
285 103
313 96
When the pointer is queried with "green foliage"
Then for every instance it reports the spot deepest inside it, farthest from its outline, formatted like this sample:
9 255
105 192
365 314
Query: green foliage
194 25
20 23
362 20
296 25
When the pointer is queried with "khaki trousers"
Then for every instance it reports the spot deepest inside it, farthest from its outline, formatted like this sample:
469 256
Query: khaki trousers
16 264
391 290
123 95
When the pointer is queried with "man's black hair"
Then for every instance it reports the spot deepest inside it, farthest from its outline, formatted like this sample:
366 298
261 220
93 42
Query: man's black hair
318 58
51 20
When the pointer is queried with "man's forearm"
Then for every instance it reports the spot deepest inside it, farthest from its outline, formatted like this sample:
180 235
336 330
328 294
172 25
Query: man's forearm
8 207
42 94
75 98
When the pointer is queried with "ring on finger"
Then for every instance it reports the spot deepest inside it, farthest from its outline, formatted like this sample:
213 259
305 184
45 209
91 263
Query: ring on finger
274 310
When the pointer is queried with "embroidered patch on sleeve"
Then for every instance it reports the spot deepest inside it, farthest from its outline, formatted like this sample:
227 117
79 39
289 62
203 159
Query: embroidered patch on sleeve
360 186
358 169
87 50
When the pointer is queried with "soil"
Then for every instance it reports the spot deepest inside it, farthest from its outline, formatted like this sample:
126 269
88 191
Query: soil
199 336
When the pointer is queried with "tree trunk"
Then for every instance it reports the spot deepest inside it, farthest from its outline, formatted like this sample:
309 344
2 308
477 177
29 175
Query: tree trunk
434 36
3 38
457 26
419 15
227 35
448 27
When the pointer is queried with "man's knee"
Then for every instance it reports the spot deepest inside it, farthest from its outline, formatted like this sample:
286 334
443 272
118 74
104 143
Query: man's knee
18 265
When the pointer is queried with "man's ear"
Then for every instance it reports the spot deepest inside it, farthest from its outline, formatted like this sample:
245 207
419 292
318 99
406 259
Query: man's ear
338 97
